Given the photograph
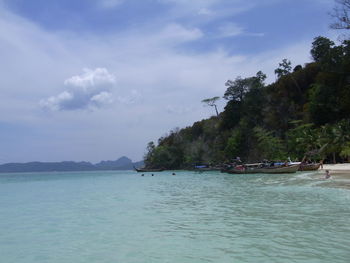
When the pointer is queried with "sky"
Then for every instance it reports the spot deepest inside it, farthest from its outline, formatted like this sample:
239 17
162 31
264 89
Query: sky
92 80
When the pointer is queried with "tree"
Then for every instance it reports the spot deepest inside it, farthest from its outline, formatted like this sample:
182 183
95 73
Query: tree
259 79
234 144
336 137
270 147
212 102
345 152
304 139
148 157
321 47
231 115
297 68
253 104
285 67
323 104
238 88
341 13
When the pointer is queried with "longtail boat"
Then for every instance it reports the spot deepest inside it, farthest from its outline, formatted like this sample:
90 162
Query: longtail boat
309 166
260 168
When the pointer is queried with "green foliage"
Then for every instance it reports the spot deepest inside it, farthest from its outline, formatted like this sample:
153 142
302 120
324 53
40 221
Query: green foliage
269 146
335 137
297 68
303 139
253 104
327 140
238 88
345 151
321 47
329 99
284 68
322 101
234 144
149 156
304 113
231 115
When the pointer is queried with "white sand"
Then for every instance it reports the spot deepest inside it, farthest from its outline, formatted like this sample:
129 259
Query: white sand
340 175
337 167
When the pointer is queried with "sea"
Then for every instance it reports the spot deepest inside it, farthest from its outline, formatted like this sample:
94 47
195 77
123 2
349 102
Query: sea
122 216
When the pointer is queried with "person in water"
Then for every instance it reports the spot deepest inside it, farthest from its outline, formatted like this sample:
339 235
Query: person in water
327 175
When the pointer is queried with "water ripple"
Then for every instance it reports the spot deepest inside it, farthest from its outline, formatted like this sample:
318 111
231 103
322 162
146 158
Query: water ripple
190 217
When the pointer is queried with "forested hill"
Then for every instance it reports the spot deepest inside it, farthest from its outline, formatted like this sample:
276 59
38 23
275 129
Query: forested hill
305 112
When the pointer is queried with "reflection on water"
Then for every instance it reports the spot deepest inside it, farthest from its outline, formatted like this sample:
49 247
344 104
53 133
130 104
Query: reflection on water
191 217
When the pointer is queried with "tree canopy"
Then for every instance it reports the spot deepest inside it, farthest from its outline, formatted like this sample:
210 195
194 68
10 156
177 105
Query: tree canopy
305 112
212 103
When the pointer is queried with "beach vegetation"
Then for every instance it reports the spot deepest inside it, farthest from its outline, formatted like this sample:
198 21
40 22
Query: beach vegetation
303 114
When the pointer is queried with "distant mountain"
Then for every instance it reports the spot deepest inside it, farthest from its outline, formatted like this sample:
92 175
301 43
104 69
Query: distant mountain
122 163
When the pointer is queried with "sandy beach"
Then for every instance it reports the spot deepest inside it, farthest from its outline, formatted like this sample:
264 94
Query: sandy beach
340 175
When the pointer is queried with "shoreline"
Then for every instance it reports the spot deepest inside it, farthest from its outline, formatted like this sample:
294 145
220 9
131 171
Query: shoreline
340 175
337 170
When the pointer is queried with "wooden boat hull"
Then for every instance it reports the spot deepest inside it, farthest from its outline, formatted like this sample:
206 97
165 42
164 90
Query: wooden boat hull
264 170
278 170
309 167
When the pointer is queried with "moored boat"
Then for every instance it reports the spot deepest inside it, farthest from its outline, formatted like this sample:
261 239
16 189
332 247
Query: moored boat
260 168
309 166
278 169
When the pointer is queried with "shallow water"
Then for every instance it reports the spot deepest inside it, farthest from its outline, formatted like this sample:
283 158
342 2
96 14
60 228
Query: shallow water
191 217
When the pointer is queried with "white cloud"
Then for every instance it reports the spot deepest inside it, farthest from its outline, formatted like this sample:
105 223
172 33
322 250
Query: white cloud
85 91
55 102
160 86
234 30
230 30
91 79
130 98
102 98
174 33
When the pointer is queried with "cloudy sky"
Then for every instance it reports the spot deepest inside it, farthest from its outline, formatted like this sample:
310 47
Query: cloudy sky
98 79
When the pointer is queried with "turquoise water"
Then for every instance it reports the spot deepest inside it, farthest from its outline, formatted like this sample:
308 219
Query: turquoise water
191 217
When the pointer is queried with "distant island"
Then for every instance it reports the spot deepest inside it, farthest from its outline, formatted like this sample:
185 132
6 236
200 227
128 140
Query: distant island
123 163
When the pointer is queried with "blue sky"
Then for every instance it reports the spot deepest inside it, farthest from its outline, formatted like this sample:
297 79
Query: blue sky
95 80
